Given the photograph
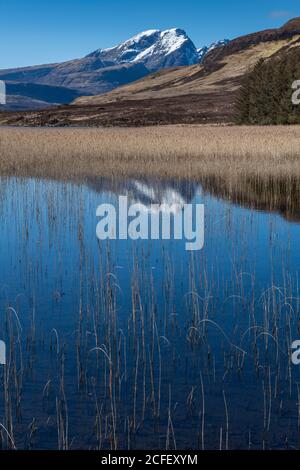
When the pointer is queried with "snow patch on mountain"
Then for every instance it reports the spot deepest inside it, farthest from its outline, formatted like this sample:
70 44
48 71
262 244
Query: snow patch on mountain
173 39
139 38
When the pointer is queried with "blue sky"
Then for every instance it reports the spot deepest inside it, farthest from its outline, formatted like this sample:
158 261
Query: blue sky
42 31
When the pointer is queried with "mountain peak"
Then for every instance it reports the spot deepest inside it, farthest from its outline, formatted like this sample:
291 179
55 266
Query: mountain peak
173 39
155 48
144 35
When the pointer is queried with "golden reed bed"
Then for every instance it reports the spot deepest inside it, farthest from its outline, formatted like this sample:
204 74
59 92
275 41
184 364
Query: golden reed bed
172 151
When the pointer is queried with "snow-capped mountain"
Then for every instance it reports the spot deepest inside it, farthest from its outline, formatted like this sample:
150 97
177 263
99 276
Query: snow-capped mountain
203 51
154 48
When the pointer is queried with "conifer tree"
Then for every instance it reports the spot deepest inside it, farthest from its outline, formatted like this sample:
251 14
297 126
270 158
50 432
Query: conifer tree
265 96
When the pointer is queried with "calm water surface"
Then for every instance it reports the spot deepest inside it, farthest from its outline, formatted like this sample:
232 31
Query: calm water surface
142 344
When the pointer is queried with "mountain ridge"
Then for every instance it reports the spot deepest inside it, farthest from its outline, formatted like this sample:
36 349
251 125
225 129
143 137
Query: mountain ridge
150 47
201 93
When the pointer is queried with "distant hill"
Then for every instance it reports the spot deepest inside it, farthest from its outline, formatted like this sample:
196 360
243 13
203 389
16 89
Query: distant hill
39 96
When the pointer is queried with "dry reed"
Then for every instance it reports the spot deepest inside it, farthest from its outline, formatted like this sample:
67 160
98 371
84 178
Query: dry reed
171 151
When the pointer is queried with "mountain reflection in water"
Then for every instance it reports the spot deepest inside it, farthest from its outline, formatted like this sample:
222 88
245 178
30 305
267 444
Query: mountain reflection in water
269 195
